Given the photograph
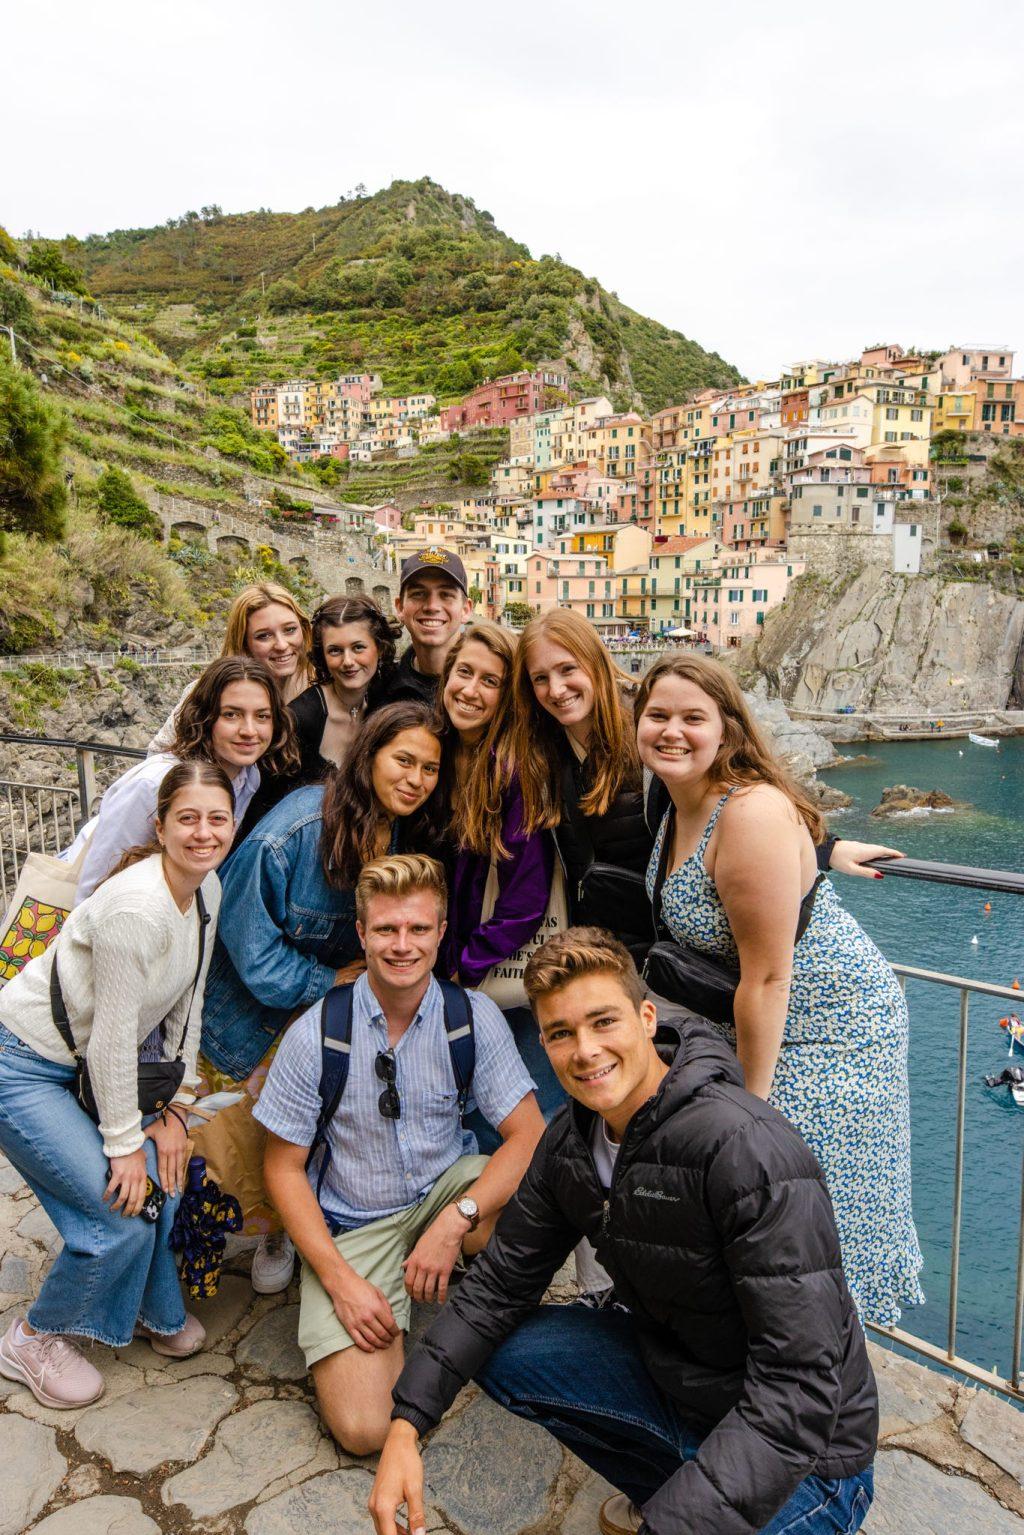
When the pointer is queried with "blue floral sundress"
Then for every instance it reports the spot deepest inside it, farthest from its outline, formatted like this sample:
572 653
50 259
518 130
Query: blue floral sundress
841 1076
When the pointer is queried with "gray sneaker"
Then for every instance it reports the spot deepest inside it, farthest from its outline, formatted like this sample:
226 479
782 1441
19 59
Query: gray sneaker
273 1264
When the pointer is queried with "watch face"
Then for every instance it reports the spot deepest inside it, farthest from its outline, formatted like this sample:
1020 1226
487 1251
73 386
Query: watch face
468 1207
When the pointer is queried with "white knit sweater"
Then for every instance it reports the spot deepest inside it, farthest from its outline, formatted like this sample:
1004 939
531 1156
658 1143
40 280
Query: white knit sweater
127 959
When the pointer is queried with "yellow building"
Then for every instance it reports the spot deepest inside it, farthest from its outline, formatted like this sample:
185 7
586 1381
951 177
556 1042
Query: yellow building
625 545
954 411
618 445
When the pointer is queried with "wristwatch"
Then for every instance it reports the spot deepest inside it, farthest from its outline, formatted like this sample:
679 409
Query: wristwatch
468 1208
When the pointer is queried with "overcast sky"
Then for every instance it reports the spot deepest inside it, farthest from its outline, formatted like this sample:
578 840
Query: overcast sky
777 182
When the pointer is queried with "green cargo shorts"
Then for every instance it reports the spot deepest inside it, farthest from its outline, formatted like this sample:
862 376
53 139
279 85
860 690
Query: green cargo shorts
377 1252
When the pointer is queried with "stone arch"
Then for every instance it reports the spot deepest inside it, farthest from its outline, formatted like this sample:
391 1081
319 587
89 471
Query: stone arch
354 586
231 543
193 531
382 597
275 552
299 562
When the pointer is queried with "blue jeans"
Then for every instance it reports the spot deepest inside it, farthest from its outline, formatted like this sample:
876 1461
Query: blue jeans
112 1270
580 1375
550 1093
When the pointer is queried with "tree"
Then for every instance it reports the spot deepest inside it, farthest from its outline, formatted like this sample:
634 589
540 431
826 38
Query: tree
518 613
32 492
120 503
46 263
284 295
476 595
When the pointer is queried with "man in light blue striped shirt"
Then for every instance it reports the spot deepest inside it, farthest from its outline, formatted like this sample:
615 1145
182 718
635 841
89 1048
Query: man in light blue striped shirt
404 1191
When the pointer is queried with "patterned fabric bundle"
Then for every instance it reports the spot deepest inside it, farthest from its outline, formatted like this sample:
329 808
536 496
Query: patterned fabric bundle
204 1219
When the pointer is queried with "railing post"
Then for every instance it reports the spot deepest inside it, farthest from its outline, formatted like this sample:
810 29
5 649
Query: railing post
86 764
1018 1310
958 1172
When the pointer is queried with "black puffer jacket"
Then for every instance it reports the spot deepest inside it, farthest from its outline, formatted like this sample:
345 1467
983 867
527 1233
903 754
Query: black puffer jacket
719 1235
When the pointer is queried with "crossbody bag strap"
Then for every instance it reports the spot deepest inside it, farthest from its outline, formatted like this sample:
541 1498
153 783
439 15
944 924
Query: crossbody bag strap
60 1012
204 921
661 874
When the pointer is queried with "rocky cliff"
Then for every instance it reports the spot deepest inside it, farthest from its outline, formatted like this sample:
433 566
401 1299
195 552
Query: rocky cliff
892 643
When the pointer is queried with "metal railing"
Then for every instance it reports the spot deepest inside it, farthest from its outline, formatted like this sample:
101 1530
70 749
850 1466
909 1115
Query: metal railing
44 818
948 1356
59 659
31 814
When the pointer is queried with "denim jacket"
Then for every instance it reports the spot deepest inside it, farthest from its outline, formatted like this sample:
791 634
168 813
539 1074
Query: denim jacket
283 932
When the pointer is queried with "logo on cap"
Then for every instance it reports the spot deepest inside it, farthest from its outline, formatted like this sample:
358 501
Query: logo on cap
434 555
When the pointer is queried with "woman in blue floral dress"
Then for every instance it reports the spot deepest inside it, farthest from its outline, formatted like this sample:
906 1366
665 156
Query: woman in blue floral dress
821 1028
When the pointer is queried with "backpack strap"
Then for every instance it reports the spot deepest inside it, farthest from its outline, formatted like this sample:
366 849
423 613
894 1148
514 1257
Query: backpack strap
335 1055
459 1032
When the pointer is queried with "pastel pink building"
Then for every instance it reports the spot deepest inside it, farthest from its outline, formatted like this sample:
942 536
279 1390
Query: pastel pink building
505 399
388 518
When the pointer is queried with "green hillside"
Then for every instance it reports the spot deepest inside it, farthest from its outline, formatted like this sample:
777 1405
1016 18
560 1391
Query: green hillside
413 282
132 427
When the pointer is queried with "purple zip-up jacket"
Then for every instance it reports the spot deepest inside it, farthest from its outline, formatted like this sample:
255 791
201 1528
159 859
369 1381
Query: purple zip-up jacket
471 946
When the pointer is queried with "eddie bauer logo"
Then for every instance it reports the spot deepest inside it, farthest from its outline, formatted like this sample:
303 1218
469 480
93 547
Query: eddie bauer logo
643 1193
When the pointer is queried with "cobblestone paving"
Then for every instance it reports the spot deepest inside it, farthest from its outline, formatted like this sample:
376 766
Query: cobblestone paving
229 1442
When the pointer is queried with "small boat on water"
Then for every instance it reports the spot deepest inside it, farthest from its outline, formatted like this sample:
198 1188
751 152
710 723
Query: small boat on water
1011 1077
978 740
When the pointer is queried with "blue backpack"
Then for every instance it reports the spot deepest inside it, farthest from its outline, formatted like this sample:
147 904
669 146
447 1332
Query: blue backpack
336 1050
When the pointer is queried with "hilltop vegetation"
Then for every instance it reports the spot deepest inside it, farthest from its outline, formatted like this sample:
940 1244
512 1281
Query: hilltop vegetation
414 283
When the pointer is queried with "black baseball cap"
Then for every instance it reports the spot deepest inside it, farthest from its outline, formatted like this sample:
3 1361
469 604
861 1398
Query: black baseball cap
437 561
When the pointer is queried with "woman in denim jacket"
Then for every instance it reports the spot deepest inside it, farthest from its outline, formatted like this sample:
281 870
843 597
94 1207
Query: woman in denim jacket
288 924
288 929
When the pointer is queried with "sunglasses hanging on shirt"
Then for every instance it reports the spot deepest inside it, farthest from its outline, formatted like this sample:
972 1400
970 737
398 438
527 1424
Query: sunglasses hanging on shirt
389 1102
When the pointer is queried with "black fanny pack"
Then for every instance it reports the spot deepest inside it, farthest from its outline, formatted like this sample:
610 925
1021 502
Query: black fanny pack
699 981
158 1080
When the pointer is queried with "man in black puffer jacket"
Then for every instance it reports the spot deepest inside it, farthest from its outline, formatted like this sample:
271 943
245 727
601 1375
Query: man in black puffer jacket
734 1393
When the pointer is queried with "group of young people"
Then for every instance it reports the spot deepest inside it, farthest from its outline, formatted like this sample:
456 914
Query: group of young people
401 904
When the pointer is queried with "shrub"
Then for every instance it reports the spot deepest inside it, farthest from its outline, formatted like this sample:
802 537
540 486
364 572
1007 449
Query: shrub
9 253
16 310
120 503
32 490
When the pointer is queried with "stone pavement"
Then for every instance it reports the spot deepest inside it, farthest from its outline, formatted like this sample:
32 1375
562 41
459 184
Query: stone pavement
228 1442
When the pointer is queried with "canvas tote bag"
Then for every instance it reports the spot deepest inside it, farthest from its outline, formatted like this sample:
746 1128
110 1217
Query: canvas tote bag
43 896
503 983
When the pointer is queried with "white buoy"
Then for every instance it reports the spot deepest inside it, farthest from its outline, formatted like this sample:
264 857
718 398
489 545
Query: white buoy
975 938
960 754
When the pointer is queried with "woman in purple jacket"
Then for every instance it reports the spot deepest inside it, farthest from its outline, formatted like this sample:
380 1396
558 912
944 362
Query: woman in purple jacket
486 814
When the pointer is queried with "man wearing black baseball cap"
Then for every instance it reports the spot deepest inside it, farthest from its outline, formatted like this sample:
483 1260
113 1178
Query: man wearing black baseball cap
433 604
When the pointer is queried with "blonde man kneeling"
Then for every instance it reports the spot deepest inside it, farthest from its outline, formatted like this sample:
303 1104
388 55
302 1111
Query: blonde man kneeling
395 1193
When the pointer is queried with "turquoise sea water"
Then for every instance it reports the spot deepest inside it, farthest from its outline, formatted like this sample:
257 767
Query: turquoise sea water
931 926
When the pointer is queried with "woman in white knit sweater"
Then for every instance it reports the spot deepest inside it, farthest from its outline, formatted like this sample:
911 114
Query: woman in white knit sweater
128 962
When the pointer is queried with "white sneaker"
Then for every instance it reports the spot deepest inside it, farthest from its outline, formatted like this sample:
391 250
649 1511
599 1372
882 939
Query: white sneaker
273 1263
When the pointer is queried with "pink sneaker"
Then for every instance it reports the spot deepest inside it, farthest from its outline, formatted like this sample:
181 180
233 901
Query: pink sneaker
50 1366
176 1345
